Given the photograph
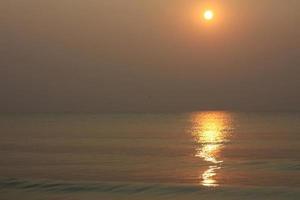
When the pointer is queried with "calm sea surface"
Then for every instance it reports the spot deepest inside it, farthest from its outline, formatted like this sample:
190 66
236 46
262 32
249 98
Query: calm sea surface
201 155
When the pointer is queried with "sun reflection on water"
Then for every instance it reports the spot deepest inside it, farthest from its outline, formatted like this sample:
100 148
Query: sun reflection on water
211 131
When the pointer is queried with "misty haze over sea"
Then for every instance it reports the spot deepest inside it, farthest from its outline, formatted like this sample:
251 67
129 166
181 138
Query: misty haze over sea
149 99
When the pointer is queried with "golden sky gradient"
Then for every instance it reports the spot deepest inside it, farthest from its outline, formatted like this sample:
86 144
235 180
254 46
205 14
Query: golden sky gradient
149 55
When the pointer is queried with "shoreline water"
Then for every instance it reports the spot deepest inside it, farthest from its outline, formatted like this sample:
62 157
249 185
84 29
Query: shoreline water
62 189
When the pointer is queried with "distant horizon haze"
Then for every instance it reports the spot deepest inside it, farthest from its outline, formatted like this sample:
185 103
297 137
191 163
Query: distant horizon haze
114 56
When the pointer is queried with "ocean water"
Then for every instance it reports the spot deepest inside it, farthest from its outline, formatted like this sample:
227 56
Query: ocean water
199 155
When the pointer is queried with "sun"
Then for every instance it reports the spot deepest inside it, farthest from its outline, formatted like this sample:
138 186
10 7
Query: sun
208 15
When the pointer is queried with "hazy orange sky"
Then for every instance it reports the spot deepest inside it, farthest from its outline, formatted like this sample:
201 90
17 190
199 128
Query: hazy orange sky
149 55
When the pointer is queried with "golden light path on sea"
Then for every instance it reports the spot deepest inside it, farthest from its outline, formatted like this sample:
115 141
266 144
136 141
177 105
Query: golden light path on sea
211 131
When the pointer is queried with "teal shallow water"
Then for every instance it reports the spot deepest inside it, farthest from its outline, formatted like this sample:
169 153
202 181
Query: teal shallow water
125 156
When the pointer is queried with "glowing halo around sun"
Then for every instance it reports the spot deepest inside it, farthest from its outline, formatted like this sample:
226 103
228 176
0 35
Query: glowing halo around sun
208 15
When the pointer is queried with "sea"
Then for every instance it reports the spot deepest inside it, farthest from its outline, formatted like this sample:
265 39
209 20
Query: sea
197 155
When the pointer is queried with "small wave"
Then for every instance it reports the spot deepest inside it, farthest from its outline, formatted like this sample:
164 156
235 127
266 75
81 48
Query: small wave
52 186
150 189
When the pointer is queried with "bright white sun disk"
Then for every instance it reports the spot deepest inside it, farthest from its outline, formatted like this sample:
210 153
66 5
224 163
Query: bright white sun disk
208 15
